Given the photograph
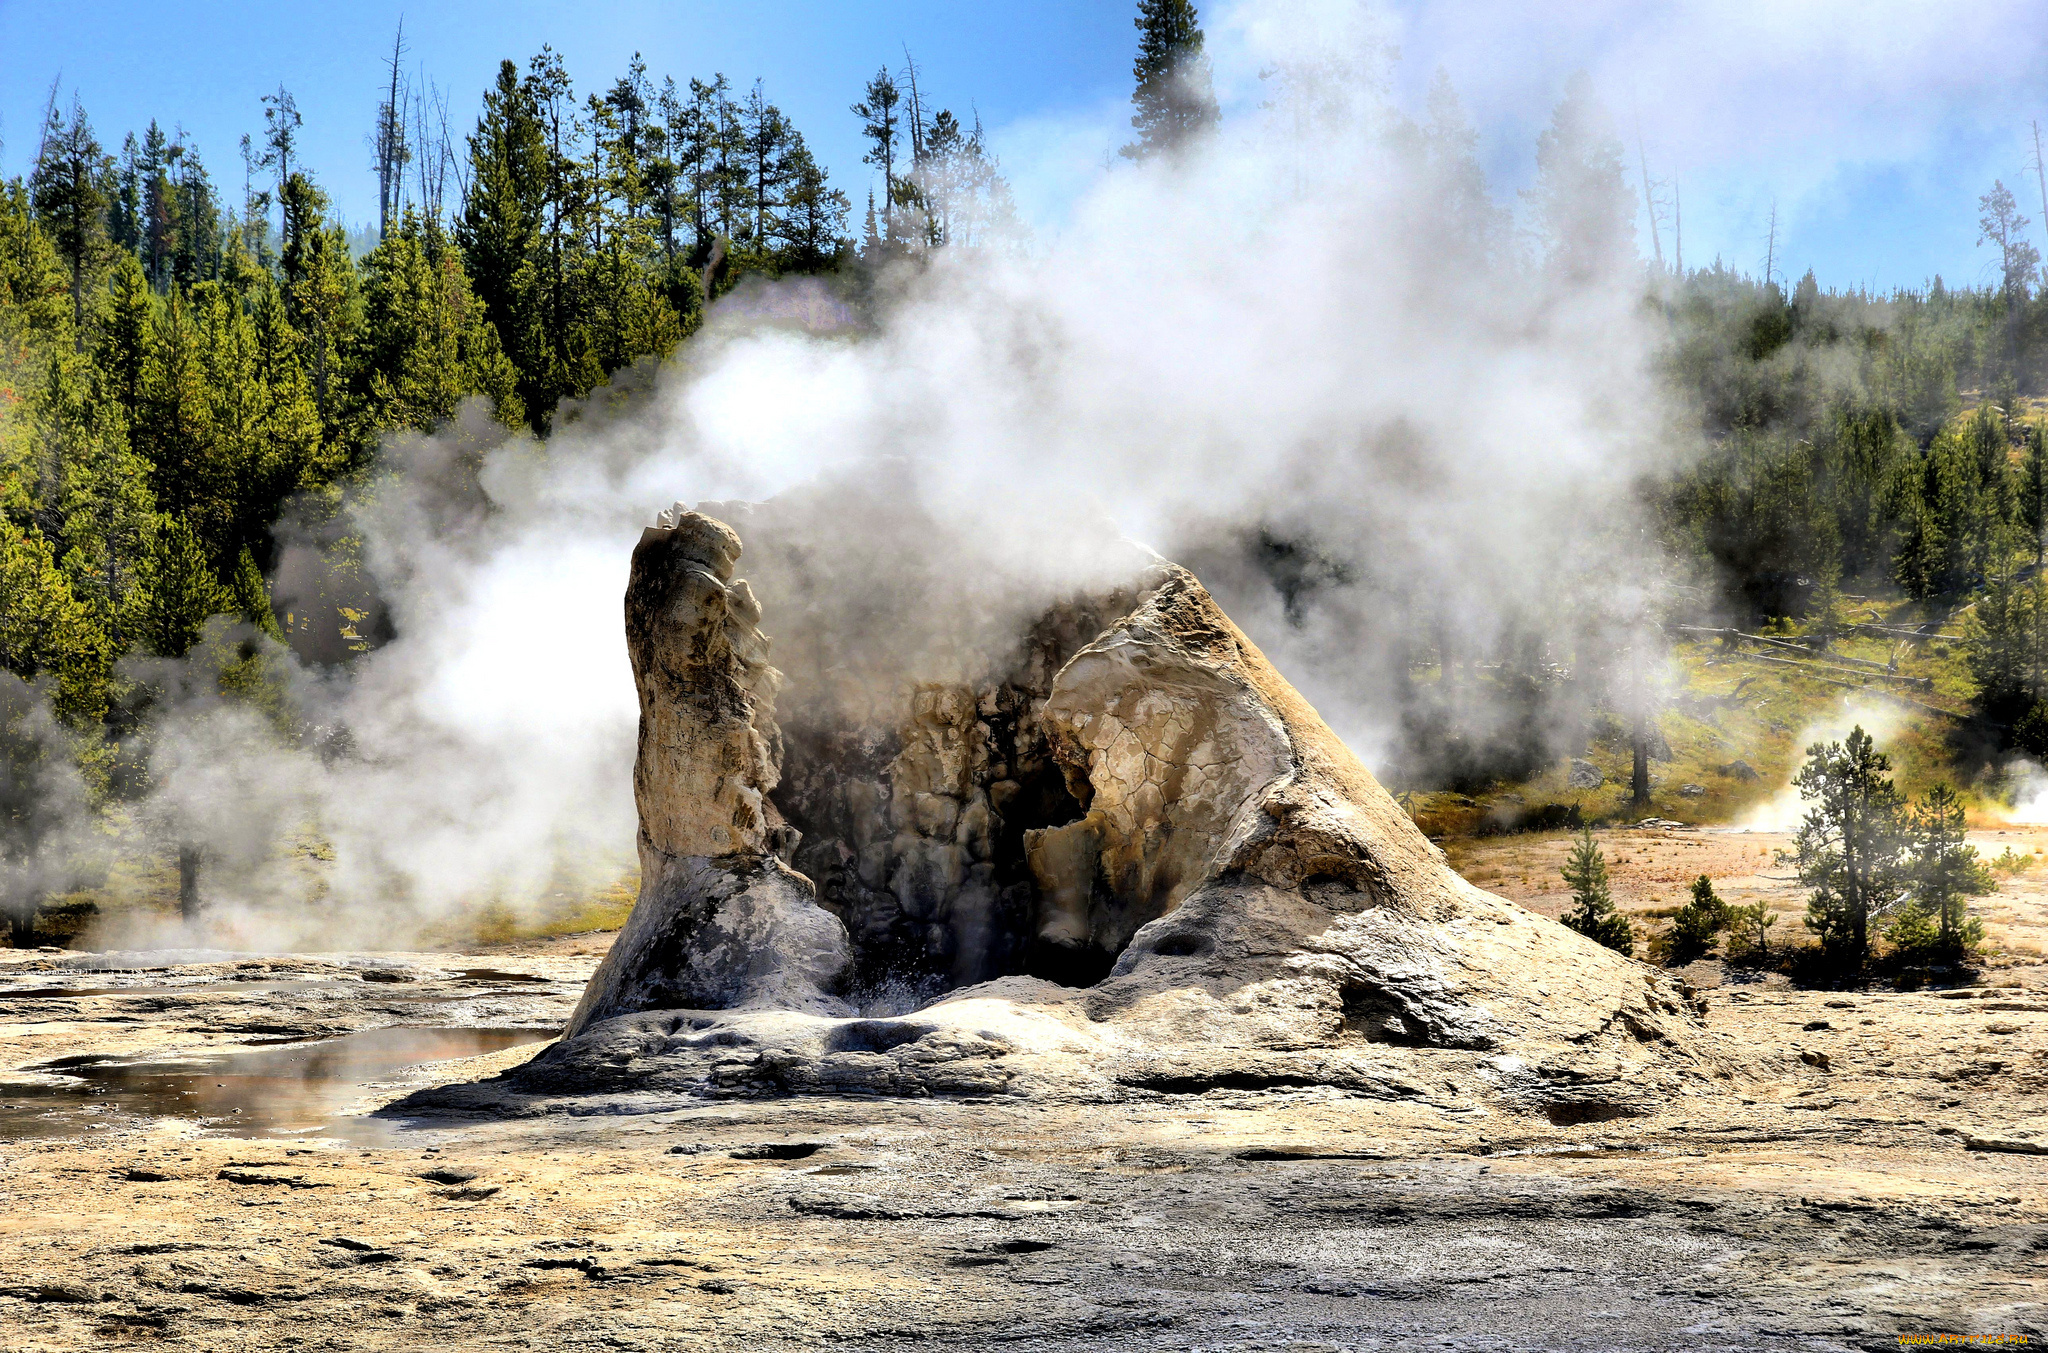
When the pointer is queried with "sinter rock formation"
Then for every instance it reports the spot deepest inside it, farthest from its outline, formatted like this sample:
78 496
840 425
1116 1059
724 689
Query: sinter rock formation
1121 855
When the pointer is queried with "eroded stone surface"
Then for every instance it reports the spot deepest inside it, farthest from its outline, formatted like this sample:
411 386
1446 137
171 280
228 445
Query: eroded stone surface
1128 788
721 922
1832 1209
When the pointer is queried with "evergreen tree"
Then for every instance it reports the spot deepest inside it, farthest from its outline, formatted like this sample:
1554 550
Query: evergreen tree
71 185
1850 846
2007 649
1751 926
1593 914
183 591
100 503
1703 916
1862 452
1945 872
882 126
320 295
1953 519
568 363
2032 493
125 336
45 629
34 305
1175 96
499 232
249 596
1472 225
2002 226
1585 213
769 141
962 194
813 225
425 343
281 123
667 182
194 213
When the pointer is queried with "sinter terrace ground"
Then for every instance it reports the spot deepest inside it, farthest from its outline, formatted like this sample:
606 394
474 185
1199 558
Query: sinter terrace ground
1879 1178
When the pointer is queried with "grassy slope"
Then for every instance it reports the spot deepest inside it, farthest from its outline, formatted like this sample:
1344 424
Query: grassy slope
1722 706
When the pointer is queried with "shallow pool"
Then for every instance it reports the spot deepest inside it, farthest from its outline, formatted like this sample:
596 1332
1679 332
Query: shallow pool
291 1088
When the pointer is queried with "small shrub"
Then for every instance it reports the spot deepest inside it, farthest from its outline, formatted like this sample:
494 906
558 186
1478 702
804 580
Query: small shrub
1697 923
1912 935
1749 928
2012 862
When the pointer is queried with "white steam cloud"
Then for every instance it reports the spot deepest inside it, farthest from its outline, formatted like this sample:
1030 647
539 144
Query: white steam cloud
1300 329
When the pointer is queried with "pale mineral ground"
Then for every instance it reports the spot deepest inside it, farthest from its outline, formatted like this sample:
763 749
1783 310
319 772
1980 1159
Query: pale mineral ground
1882 1175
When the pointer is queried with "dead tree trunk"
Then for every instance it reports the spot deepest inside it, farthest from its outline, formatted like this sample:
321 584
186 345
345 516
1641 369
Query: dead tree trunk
188 882
1639 734
1639 770
21 923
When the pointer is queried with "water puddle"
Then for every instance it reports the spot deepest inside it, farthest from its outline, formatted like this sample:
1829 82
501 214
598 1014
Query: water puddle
468 984
54 993
492 977
294 1089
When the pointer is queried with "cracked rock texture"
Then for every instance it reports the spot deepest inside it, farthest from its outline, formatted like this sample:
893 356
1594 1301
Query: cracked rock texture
1126 852
721 922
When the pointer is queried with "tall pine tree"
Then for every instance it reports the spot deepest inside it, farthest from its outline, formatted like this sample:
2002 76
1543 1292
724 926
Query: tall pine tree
1176 94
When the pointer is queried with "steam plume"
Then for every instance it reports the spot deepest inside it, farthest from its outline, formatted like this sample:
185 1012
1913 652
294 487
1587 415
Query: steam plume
1304 358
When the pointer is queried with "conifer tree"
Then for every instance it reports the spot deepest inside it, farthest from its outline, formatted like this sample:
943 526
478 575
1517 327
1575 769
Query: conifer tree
2033 493
882 126
2003 227
320 294
1584 209
1175 96
1593 914
1945 871
183 590
2007 648
1751 926
102 505
425 344
1850 846
249 596
71 185
813 224
125 336
769 142
499 232
34 305
44 628
1702 917
1473 226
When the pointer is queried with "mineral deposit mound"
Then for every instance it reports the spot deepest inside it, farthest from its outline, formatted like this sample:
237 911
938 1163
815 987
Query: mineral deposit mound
1089 849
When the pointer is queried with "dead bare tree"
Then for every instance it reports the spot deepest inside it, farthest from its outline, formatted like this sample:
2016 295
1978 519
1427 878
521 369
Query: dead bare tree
392 151
433 156
1771 245
2041 178
1649 202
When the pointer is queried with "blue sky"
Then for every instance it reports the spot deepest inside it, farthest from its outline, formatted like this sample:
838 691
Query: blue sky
1874 125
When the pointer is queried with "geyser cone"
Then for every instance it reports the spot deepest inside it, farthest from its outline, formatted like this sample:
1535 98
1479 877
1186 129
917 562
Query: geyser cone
1249 905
